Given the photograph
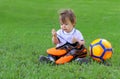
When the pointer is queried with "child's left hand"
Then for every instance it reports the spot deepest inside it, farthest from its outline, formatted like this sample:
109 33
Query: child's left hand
54 33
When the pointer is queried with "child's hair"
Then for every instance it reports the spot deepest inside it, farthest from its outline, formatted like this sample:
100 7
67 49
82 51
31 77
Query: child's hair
68 13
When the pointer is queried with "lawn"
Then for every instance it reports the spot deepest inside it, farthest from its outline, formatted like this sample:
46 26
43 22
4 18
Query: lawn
25 34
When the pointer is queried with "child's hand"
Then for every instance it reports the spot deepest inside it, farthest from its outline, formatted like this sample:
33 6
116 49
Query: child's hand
54 33
74 40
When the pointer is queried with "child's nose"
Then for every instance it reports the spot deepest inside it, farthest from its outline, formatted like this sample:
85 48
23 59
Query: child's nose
63 25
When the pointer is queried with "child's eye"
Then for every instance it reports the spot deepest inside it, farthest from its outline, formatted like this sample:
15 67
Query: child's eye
61 24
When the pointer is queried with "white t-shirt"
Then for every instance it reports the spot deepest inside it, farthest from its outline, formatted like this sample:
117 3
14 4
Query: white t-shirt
67 37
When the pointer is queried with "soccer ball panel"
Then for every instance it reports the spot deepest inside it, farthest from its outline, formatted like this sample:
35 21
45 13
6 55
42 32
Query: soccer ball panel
106 43
107 55
97 50
95 41
97 59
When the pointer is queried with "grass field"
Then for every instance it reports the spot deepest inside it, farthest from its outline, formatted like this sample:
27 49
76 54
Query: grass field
25 34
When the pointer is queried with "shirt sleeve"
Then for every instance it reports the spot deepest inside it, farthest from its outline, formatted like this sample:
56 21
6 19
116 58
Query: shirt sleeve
79 36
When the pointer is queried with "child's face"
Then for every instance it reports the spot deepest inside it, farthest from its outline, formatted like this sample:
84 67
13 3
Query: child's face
67 26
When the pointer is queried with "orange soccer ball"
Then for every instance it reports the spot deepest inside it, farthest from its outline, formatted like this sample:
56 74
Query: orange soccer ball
100 50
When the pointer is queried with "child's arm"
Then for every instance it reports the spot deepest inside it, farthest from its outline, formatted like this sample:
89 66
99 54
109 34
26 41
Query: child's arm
54 37
81 42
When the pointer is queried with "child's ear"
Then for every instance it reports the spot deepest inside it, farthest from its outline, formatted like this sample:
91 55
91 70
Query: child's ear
74 24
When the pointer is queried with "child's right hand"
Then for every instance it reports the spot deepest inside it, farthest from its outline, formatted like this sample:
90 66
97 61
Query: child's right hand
74 40
54 33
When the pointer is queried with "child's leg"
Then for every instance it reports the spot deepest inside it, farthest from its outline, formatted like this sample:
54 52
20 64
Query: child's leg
81 53
81 56
82 60
44 59
64 59
67 58
53 58
47 59
56 52
73 54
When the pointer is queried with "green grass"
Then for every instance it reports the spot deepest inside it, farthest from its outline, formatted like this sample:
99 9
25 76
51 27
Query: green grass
25 34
